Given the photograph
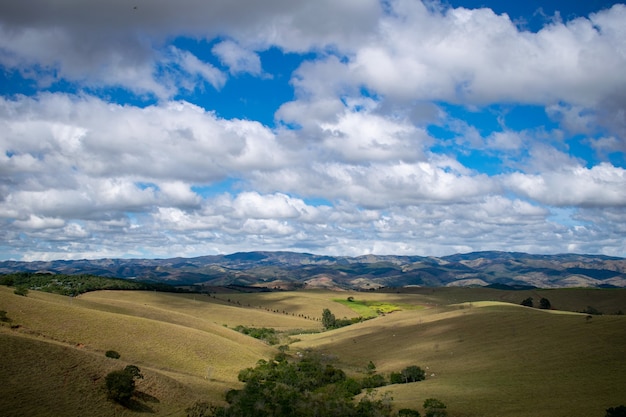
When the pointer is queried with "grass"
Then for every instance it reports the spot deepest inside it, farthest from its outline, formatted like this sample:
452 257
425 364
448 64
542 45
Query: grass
493 359
484 354
368 309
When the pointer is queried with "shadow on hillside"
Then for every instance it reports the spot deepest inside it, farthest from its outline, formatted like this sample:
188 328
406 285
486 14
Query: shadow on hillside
138 405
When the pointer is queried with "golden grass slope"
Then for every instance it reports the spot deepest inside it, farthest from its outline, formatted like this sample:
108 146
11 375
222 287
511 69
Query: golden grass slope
484 356
176 338
493 359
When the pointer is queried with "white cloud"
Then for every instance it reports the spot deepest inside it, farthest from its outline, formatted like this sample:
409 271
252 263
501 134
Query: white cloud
190 64
237 59
600 186
476 56
37 223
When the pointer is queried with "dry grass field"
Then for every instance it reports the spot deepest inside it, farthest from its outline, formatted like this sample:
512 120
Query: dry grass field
484 354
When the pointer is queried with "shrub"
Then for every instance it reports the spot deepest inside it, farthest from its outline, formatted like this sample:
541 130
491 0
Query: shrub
373 381
112 354
435 408
3 316
23 291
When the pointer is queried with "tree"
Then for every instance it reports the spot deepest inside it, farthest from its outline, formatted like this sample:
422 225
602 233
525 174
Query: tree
528 302
434 408
121 383
619 411
544 304
328 319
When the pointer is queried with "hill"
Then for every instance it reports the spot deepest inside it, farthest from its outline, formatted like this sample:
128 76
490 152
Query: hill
485 355
289 270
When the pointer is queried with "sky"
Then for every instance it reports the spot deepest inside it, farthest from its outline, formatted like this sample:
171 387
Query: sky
159 128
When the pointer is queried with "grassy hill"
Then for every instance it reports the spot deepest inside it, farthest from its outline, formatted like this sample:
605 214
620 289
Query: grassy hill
484 354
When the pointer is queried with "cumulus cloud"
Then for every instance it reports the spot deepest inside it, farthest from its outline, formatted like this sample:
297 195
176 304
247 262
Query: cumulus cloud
600 186
477 56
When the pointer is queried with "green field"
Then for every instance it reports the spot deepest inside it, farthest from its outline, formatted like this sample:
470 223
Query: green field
484 354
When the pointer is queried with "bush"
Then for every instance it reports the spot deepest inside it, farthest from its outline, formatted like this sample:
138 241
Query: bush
3 316
23 291
434 408
112 354
373 381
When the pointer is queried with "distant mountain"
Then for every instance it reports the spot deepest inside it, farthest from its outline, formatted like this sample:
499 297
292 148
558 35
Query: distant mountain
290 269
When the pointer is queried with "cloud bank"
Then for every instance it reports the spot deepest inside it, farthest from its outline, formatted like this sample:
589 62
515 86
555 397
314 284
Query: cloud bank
411 128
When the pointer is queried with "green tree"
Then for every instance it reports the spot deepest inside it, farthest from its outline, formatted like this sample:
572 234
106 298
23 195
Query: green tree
121 383
545 304
528 302
434 408
328 319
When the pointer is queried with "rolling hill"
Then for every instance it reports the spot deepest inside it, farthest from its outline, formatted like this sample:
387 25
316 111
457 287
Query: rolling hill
485 355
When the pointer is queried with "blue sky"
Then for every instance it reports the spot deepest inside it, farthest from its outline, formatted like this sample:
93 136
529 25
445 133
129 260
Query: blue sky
160 129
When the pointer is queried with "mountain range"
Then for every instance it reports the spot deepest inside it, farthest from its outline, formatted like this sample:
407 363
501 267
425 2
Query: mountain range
286 270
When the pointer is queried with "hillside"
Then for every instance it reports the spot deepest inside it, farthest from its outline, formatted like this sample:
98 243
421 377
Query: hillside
289 270
485 355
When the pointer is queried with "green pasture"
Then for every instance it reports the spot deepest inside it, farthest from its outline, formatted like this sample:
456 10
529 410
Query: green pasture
366 308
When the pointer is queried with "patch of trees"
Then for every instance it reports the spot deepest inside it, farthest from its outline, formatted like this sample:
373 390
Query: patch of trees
409 374
544 303
268 335
307 385
64 284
